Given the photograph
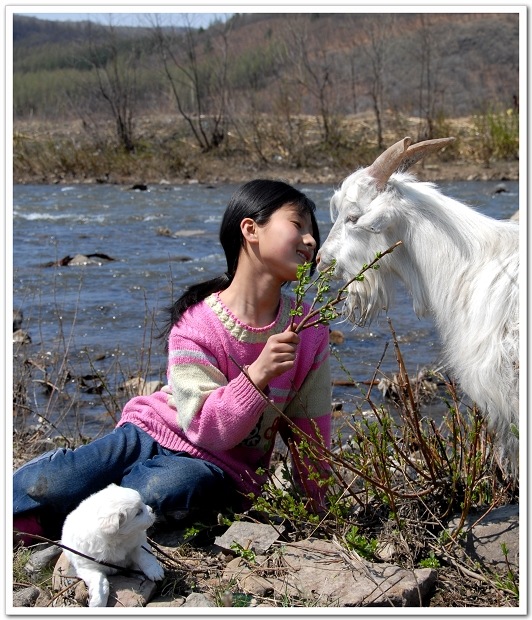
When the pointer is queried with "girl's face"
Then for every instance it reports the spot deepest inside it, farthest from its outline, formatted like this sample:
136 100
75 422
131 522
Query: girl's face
285 242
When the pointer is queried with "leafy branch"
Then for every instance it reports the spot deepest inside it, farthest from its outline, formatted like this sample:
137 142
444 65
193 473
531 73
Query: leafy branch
326 312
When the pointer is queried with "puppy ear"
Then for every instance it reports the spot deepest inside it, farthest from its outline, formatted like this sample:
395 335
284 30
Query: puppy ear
110 524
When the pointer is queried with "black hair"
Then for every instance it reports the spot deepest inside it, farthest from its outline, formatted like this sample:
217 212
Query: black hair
258 200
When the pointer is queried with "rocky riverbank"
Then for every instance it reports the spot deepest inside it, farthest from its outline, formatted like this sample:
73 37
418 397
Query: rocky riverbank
312 572
279 556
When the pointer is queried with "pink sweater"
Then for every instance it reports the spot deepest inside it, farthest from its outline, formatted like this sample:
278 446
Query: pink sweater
210 409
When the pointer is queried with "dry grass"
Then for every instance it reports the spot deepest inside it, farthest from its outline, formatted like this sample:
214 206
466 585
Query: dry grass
47 152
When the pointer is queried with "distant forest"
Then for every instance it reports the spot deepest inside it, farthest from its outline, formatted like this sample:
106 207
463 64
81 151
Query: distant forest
454 63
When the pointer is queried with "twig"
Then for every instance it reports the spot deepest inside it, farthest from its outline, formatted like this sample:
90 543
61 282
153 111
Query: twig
328 454
88 557
59 594
310 320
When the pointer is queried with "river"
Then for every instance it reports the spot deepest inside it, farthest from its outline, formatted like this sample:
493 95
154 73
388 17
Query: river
102 317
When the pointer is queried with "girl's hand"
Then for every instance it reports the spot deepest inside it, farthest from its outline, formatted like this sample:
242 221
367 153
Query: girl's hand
277 357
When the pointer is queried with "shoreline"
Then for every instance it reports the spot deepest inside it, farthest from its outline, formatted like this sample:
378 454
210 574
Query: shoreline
222 171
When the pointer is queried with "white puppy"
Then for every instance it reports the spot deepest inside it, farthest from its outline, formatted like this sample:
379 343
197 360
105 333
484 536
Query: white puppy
109 526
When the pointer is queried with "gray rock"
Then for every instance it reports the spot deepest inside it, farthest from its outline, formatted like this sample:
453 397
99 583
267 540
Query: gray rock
21 337
73 590
484 539
138 386
166 600
26 597
80 260
248 580
323 573
198 599
134 591
258 537
189 233
44 599
42 558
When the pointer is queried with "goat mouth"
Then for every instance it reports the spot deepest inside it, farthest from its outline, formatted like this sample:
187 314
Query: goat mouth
332 272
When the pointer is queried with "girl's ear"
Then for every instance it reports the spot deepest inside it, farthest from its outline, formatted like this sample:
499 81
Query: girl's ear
249 229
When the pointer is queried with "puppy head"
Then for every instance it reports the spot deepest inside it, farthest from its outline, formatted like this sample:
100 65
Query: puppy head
122 511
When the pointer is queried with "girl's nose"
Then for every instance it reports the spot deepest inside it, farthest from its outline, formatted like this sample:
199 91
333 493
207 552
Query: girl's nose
309 241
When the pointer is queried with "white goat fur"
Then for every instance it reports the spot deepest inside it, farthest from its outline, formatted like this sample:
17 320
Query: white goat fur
459 265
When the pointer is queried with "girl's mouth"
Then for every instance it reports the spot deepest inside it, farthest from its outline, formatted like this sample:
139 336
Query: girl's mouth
306 258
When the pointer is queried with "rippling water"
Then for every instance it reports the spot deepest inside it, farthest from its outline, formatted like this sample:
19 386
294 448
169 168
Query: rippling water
103 313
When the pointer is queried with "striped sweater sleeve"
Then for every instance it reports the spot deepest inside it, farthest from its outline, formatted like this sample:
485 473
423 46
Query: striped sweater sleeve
215 413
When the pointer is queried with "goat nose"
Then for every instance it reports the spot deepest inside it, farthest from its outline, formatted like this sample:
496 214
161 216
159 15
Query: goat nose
318 258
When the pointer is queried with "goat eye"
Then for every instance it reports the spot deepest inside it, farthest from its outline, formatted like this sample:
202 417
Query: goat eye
351 219
139 512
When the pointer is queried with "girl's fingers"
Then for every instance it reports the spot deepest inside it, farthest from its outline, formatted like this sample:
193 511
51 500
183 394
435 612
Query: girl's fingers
288 336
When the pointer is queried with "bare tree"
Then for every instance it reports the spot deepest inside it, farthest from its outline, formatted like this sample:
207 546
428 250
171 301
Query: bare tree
429 59
379 29
312 69
353 81
115 63
199 84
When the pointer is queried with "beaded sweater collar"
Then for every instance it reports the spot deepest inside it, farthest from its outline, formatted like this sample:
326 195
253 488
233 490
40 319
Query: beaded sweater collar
245 333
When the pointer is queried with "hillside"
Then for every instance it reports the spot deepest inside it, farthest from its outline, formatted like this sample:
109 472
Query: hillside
461 62
307 96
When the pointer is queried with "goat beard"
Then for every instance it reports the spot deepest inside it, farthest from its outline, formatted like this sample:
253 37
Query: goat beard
367 298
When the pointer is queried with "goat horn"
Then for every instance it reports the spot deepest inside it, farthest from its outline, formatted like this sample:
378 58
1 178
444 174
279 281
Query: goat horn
388 162
401 155
420 150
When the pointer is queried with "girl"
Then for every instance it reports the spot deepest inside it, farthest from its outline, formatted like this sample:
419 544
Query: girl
202 443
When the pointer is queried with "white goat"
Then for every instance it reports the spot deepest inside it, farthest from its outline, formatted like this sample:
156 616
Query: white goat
459 265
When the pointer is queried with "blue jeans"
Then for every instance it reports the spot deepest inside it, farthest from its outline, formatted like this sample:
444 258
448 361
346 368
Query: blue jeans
174 484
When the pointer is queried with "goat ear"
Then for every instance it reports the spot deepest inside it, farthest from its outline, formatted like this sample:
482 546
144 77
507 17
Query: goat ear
376 220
